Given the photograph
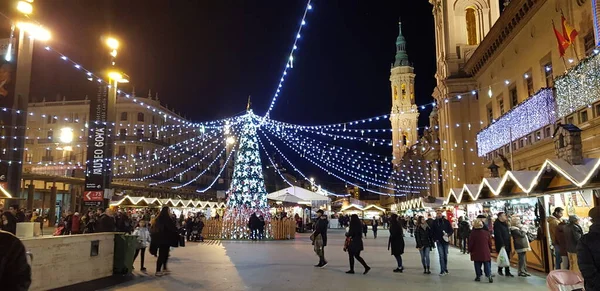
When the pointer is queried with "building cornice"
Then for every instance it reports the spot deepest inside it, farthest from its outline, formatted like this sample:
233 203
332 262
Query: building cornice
511 21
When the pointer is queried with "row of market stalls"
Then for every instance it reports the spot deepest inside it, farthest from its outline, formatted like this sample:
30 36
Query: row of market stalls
532 196
368 212
209 208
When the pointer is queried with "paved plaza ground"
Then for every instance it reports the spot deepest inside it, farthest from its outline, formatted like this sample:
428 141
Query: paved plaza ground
288 265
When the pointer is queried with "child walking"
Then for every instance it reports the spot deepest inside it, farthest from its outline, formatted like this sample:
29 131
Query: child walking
143 242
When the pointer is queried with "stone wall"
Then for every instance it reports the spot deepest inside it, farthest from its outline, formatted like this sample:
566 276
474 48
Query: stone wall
60 261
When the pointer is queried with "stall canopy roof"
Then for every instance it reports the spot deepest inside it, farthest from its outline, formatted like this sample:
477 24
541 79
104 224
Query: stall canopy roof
578 175
303 194
286 197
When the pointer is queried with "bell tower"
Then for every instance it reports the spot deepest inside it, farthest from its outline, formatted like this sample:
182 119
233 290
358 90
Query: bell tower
404 113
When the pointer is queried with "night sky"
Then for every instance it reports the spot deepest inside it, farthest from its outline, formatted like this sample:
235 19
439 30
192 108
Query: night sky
205 57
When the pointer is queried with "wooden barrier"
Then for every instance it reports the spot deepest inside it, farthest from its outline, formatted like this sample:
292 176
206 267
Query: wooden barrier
275 229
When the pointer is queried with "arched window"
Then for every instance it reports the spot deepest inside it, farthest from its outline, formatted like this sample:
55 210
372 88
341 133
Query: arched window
140 117
403 91
395 92
471 26
404 139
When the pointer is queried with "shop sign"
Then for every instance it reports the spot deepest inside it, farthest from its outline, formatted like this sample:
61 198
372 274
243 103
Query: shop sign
97 165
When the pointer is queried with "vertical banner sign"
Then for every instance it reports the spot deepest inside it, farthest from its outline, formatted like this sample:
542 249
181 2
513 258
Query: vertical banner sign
97 154
7 93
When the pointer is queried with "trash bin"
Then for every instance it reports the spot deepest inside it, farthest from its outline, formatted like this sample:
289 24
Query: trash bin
124 251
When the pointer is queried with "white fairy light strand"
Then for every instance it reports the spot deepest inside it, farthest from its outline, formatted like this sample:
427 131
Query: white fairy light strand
290 61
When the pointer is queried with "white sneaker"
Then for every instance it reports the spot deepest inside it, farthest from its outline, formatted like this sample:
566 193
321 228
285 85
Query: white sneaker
158 274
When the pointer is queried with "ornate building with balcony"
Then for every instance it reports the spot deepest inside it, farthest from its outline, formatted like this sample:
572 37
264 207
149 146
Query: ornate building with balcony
529 88
502 85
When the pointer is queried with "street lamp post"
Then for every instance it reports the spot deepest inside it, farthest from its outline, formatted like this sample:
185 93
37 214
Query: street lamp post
28 33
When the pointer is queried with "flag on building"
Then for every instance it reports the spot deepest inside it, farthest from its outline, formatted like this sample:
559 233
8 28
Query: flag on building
563 44
569 33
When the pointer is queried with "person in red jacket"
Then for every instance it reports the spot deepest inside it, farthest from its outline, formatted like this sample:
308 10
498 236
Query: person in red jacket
76 223
480 246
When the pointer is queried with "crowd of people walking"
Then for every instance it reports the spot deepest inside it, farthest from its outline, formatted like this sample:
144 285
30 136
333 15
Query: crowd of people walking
574 251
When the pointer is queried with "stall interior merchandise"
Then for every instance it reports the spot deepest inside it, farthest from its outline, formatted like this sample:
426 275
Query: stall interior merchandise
532 196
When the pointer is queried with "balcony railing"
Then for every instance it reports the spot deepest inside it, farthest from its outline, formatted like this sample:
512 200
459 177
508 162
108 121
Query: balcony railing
530 115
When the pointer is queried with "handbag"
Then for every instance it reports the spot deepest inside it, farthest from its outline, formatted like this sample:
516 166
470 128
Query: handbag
502 260
347 243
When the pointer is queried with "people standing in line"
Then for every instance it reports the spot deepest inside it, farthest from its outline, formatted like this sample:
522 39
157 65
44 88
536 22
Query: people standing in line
588 252
396 242
106 222
441 230
411 226
502 239
143 242
553 222
189 224
9 222
521 243
355 246
164 235
573 233
15 271
253 226
429 219
261 227
464 231
424 242
76 223
479 247
374 226
18 213
320 237
561 242
483 219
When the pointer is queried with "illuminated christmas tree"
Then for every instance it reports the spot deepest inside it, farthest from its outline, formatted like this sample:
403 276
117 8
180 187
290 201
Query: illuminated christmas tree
247 193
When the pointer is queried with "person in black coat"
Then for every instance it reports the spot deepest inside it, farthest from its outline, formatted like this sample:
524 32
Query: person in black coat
464 231
355 246
106 222
396 242
588 252
320 237
163 235
424 242
502 239
9 222
375 224
365 228
15 272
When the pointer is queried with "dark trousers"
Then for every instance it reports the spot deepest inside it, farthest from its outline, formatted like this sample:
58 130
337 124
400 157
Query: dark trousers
137 252
399 261
163 257
487 266
188 233
352 255
463 244
322 260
